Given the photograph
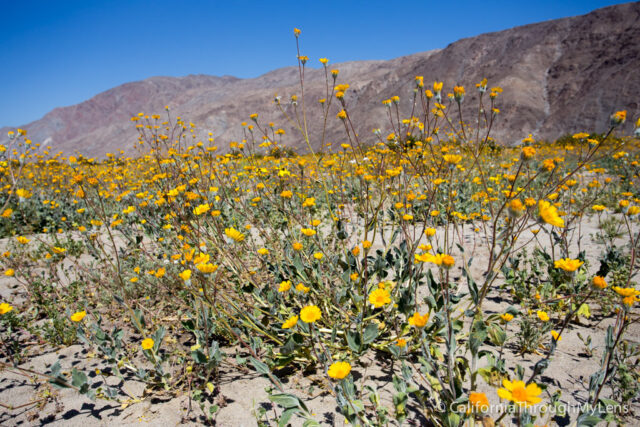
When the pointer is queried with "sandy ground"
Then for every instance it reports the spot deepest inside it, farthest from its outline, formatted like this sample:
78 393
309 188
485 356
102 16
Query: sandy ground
242 392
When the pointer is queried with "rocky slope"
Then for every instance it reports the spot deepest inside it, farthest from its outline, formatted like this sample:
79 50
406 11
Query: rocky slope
559 77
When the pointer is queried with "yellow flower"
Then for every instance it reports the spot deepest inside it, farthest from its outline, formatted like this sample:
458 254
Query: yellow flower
528 152
297 246
379 297
479 401
200 209
10 272
458 93
443 260
618 118
185 275
147 343
22 193
310 314
556 336
452 158
160 272
419 320
633 210
7 213
207 267
78 316
430 232
302 288
285 285
599 282
318 255
542 315
516 208
5 308
549 214
339 370
128 210
308 231
629 295
286 194
311 201
57 250
401 342
290 323
234 234
366 244
263 251
519 393
568 264
507 317
201 258
23 240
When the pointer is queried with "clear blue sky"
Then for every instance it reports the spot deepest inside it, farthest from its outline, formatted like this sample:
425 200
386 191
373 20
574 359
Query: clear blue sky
58 53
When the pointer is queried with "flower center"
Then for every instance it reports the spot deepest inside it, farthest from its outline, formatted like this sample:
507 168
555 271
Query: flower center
519 394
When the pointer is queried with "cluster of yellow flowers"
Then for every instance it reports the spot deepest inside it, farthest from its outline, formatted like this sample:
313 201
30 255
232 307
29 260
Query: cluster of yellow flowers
295 249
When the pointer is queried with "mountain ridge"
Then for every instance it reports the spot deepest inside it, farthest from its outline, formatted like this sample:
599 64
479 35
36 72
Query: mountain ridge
559 76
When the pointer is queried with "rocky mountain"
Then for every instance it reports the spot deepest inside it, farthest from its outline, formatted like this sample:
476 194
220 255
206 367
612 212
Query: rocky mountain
559 77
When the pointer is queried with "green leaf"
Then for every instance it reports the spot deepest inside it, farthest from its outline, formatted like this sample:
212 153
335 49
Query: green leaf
473 288
78 378
453 420
285 400
584 311
55 369
353 340
199 357
260 366
286 416
370 333
477 337
158 336
588 420
497 335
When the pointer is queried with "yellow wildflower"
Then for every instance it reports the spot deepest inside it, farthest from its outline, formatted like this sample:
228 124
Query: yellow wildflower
379 297
519 393
234 234
542 315
310 314
5 307
549 214
568 264
419 320
339 370
78 316
147 343
290 322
